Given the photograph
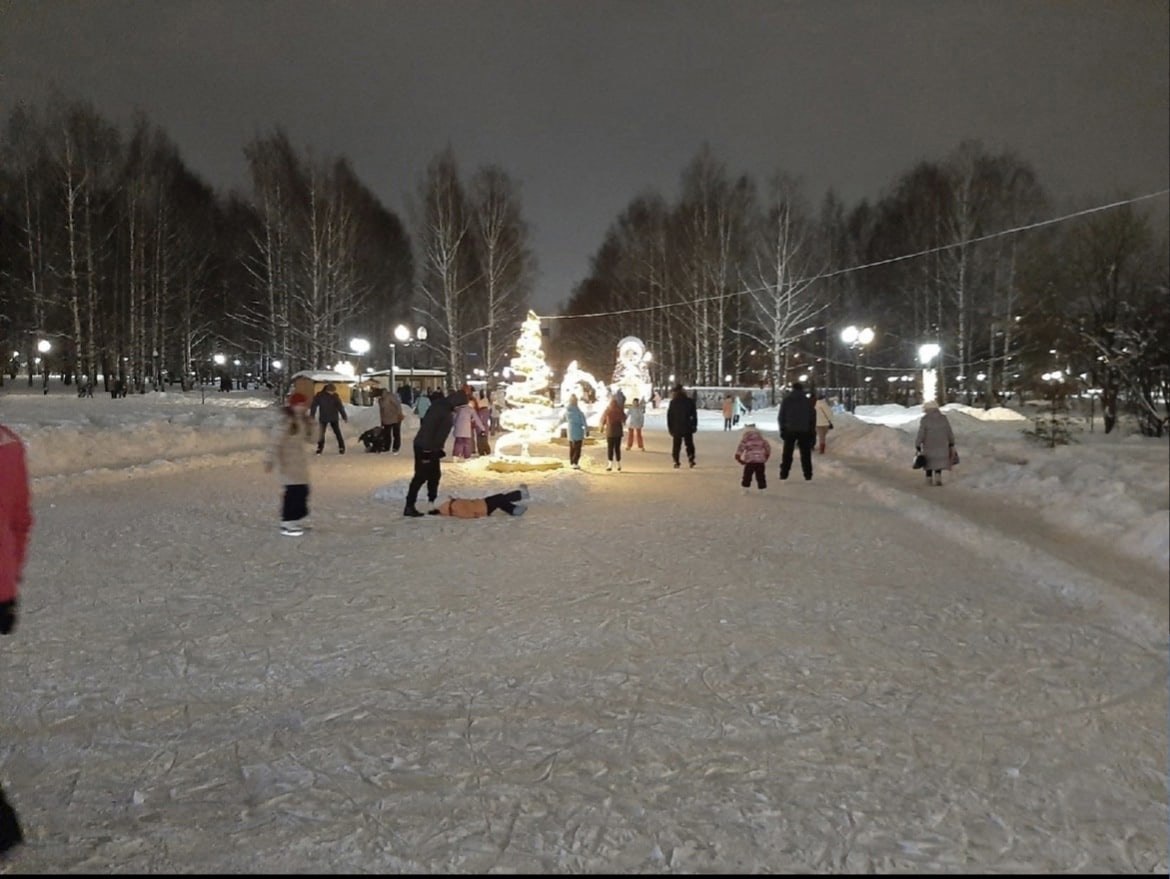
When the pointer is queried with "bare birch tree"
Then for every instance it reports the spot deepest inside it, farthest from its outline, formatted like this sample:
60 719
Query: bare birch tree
782 295
507 265
447 269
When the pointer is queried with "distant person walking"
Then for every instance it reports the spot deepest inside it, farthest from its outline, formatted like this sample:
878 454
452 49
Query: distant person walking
421 404
824 421
328 408
467 424
753 453
613 425
936 441
15 524
797 419
682 421
406 395
635 420
286 455
432 435
391 415
576 427
728 410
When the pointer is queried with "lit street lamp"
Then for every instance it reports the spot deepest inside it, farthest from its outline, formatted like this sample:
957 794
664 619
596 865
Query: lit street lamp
407 340
856 339
359 346
45 346
927 353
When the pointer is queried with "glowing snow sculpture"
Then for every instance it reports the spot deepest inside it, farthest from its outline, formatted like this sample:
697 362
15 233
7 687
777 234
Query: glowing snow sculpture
584 385
632 373
529 415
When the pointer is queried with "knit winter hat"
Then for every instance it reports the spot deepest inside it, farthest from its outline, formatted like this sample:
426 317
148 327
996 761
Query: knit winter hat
297 399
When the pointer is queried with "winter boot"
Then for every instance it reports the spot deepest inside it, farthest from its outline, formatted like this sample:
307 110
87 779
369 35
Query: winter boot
938 477
524 491
519 509
411 511
291 529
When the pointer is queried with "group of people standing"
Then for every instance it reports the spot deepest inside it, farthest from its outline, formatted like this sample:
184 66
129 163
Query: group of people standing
620 421
801 421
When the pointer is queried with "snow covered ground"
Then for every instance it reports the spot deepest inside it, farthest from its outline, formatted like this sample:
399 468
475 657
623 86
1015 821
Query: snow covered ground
648 672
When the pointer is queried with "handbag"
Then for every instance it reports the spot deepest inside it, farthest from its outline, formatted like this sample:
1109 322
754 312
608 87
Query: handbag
954 456
919 461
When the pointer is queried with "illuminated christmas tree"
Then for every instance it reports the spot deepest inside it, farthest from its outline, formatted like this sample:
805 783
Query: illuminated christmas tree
529 416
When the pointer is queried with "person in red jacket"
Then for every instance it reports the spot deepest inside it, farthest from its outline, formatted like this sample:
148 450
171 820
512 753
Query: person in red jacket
15 524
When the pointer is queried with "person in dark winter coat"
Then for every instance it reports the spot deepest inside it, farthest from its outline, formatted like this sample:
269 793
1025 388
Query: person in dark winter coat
15 524
328 408
682 420
797 421
406 394
936 441
432 434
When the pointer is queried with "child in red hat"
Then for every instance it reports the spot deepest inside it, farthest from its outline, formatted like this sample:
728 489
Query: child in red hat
287 456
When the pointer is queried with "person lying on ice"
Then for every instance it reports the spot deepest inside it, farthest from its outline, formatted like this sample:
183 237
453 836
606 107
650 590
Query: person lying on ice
477 508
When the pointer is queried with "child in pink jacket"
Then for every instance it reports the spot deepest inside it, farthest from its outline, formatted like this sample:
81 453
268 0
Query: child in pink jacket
753 452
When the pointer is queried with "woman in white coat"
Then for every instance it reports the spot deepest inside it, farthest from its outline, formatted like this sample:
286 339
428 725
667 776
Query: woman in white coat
824 421
936 441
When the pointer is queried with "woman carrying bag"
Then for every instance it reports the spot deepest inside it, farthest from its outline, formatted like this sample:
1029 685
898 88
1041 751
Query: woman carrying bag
936 442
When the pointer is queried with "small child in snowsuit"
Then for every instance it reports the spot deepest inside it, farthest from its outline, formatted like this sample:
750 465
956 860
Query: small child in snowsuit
477 508
753 452
287 456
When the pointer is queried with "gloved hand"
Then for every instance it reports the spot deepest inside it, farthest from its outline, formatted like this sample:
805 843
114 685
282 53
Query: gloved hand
7 616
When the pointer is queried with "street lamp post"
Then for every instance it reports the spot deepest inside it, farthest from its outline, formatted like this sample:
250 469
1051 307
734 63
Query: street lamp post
409 341
856 339
359 346
45 346
927 353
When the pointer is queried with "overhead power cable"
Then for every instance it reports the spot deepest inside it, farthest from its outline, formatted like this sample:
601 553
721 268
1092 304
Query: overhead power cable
1015 230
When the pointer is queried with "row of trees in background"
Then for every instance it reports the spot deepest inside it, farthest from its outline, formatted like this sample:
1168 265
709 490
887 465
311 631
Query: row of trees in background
134 270
734 279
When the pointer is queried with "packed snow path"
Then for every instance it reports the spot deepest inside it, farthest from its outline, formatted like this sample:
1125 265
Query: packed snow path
648 672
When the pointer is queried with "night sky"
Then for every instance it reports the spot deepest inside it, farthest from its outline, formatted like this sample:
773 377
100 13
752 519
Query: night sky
588 103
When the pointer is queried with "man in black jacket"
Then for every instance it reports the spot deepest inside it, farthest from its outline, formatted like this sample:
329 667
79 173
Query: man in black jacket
327 406
798 421
682 420
432 434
